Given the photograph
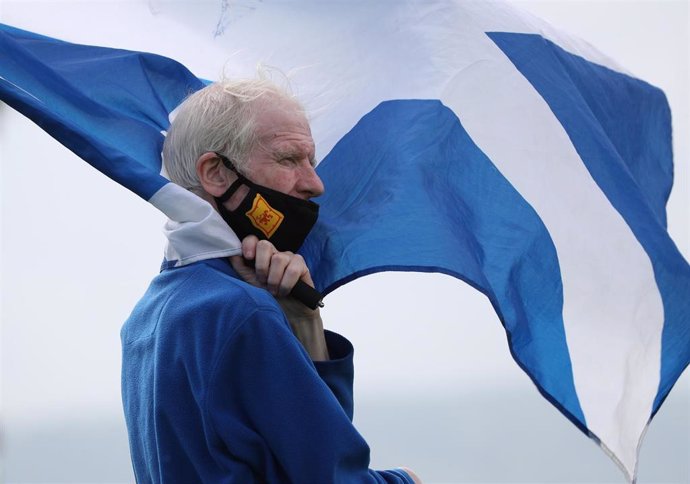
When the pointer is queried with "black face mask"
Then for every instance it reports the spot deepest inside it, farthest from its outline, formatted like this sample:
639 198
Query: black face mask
282 219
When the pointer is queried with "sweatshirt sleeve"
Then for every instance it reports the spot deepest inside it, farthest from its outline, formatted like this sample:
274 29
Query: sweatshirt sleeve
271 410
338 372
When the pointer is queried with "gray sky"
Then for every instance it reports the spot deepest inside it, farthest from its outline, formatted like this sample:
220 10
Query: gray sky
78 251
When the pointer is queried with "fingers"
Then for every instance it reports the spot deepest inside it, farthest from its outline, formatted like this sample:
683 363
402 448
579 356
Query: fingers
286 269
276 271
263 259
249 247
245 271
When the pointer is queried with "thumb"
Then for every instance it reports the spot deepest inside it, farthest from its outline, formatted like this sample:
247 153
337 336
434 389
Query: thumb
244 270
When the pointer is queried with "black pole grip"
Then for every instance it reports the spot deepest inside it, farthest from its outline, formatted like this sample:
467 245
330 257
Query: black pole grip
307 295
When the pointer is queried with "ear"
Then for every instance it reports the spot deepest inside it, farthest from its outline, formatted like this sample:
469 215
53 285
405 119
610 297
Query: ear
213 175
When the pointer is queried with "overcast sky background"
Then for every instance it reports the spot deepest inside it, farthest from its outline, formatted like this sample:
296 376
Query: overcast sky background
443 396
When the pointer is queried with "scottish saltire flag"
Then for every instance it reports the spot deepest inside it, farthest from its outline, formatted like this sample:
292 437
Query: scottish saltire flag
469 139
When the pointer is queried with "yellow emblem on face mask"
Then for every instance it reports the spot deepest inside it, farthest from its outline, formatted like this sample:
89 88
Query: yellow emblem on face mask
264 217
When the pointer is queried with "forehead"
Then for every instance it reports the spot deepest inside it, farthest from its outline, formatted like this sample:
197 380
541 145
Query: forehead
282 123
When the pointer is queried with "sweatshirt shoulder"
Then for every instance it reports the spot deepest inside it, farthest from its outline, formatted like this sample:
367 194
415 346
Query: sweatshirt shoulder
198 297
205 284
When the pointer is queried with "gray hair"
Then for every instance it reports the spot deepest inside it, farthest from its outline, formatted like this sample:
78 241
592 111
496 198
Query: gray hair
220 118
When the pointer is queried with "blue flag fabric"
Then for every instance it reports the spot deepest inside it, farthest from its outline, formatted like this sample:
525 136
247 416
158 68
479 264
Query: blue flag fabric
109 106
503 156
476 227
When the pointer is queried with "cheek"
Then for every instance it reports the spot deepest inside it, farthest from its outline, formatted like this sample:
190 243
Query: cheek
277 179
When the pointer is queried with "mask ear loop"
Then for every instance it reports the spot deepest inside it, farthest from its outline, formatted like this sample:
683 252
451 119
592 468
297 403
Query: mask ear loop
228 164
236 184
231 190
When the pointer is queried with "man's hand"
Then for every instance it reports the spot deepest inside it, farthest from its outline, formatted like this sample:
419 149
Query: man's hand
278 272
275 271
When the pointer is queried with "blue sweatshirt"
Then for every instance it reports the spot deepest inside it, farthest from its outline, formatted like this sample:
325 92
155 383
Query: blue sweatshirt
216 389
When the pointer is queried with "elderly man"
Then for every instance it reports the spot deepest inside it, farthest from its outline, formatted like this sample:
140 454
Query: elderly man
226 378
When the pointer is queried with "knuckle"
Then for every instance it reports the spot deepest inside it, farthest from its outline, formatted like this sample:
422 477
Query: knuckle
249 241
265 244
293 272
278 257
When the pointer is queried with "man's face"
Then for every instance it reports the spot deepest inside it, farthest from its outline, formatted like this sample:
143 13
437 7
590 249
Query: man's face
283 158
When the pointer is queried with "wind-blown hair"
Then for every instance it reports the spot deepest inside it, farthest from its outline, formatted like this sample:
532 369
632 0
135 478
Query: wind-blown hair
220 118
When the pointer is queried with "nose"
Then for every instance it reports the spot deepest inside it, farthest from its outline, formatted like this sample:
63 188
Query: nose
309 183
